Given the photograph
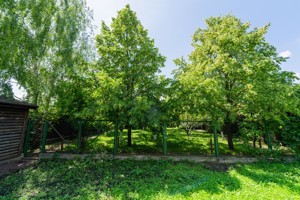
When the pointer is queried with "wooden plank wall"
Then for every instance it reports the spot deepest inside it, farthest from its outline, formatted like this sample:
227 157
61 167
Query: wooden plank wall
12 129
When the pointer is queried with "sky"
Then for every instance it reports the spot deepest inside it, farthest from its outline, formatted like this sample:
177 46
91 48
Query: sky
171 23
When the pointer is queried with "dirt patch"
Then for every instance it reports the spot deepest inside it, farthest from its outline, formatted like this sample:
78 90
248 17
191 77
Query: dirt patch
15 165
216 166
226 160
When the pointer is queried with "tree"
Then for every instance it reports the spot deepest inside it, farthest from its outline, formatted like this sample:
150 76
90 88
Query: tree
54 38
6 89
127 70
290 131
234 72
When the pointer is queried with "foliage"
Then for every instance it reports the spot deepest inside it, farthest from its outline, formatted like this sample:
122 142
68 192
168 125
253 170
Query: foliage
74 98
198 143
55 46
162 179
252 131
234 72
127 85
291 133
6 89
190 121
291 130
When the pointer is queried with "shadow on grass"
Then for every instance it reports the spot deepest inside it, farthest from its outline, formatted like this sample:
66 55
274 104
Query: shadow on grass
60 179
198 143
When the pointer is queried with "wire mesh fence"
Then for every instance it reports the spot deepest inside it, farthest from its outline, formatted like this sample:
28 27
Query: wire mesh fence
172 138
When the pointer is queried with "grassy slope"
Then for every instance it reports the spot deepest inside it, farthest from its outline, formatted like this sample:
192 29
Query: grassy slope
88 179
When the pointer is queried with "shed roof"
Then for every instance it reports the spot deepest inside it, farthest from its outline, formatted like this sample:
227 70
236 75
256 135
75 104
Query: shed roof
16 103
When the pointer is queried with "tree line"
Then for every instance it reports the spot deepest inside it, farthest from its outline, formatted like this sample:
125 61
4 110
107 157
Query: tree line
232 75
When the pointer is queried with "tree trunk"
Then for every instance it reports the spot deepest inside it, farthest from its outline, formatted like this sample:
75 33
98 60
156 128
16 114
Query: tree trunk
259 142
121 134
129 142
254 141
229 134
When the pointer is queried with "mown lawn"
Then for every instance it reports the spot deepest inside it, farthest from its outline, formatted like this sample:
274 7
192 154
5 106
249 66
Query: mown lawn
164 179
177 143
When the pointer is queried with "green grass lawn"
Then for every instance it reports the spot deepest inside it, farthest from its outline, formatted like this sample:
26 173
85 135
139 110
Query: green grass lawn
163 179
177 141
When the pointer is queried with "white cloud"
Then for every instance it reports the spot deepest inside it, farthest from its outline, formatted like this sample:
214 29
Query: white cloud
286 54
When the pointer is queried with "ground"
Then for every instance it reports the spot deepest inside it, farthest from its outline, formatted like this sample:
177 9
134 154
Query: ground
15 165
188 171
144 142
152 179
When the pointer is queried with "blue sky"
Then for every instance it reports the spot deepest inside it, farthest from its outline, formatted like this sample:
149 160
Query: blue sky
171 23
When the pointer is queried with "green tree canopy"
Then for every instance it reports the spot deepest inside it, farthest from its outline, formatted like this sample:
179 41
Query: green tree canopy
232 72
44 44
128 84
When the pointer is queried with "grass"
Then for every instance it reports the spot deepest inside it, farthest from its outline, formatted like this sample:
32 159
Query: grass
177 141
198 143
163 179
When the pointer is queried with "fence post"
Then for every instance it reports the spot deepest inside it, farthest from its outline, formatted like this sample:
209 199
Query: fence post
164 139
44 137
27 138
116 134
268 136
79 136
216 143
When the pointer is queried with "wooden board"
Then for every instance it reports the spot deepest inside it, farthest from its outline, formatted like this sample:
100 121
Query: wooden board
12 130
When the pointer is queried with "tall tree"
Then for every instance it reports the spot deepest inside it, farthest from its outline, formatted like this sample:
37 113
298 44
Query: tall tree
234 72
128 67
48 42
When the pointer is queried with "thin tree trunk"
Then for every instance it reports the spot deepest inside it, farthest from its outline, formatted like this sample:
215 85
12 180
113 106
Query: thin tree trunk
229 134
259 142
254 141
121 134
228 124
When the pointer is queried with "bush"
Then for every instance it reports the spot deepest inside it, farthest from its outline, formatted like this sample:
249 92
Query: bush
291 133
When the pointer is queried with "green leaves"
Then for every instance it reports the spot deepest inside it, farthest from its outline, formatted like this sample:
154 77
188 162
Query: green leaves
234 72
231 65
129 62
6 88
54 46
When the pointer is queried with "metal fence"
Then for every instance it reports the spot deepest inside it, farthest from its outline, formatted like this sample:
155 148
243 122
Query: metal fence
85 132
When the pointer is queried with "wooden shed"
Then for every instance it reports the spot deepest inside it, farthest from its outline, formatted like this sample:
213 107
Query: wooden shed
13 124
